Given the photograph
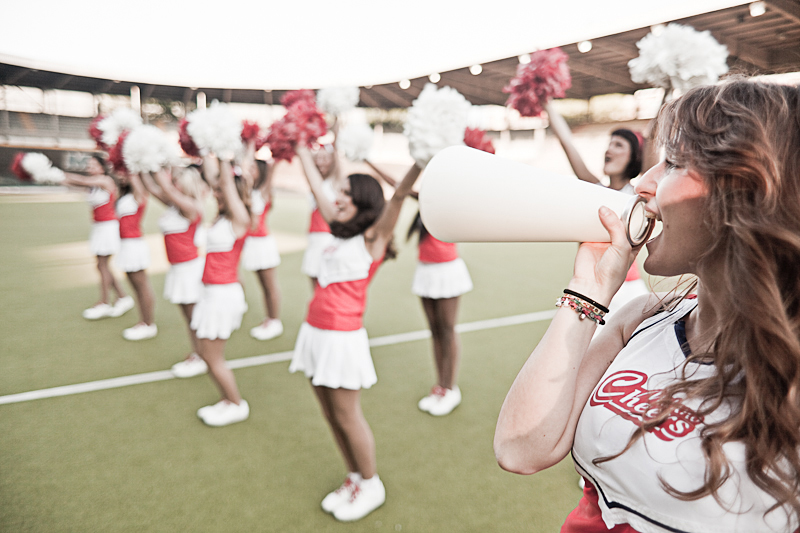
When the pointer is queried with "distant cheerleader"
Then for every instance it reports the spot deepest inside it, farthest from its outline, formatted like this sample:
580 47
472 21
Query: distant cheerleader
104 240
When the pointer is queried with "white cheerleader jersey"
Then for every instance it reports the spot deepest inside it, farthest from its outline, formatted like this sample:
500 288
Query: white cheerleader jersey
171 221
344 260
629 490
257 202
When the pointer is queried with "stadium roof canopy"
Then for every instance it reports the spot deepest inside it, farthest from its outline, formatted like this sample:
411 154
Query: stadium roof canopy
252 52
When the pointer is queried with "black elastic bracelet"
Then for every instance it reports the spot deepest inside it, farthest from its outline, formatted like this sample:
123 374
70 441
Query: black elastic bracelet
603 308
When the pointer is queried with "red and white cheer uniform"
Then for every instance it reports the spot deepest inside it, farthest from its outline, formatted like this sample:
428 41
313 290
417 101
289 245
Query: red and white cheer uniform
440 273
332 346
134 255
628 488
219 312
182 284
104 236
319 234
260 249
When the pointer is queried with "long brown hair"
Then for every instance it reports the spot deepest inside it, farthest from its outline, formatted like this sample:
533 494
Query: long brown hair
743 138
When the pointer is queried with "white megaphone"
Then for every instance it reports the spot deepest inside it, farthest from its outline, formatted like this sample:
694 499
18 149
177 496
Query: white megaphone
468 195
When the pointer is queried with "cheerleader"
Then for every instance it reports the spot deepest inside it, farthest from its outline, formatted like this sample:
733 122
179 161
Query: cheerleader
260 253
134 255
104 238
332 347
222 305
622 162
181 192
326 163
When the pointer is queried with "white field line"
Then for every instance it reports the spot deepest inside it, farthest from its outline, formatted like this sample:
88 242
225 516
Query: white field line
164 375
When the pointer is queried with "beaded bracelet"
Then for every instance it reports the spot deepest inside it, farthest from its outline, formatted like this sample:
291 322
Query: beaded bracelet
583 308
586 299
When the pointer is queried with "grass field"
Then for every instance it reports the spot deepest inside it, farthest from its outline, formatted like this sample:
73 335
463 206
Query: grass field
137 458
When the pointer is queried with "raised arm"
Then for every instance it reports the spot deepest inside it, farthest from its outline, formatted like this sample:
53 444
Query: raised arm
338 171
211 170
326 207
249 168
380 234
140 194
240 216
537 422
154 188
562 131
387 178
79 180
189 207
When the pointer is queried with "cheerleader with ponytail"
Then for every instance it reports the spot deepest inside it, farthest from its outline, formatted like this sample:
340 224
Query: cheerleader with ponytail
181 191
332 347
104 240
222 305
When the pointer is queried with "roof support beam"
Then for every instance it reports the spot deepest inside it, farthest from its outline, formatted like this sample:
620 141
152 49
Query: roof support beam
788 9
389 94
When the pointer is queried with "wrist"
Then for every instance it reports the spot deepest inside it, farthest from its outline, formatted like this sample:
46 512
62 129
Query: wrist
593 290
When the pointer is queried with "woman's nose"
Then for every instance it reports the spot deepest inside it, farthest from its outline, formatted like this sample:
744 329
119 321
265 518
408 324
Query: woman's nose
646 185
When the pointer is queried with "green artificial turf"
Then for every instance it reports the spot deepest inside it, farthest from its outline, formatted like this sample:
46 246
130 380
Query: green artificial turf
137 458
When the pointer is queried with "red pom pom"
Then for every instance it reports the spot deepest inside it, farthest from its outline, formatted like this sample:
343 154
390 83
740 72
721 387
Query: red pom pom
16 167
545 77
115 155
475 138
292 97
252 131
96 133
187 143
303 122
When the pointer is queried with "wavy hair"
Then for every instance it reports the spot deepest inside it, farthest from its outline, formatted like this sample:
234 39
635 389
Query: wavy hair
743 138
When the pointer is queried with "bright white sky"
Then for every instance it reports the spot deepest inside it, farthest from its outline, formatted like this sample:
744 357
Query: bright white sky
290 44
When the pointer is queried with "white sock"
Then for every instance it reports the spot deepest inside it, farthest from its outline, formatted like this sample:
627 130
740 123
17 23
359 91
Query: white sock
369 483
355 477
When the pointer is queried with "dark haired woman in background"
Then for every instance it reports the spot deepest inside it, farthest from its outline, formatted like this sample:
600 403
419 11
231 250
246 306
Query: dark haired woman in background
622 162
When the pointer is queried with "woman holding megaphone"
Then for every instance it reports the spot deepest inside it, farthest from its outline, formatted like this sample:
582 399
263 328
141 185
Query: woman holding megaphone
683 413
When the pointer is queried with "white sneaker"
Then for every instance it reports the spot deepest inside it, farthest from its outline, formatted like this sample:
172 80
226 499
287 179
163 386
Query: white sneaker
190 367
273 328
428 401
224 413
98 311
366 497
342 494
581 483
140 332
445 404
122 306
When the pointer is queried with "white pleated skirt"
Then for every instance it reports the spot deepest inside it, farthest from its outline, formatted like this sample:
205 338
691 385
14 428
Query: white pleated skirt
317 242
335 359
104 238
133 256
441 280
183 283
219 311
260 253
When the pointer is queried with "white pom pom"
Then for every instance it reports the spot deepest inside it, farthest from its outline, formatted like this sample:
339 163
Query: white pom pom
436 119
680 57
41 168
355 141
337 100
121 119
148 149
216 129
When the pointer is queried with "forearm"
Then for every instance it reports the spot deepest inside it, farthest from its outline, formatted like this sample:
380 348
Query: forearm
561 129
314 178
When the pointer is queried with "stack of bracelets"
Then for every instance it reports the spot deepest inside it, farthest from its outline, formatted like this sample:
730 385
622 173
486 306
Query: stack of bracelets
585 307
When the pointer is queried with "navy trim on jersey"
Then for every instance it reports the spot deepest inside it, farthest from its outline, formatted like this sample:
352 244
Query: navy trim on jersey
617 505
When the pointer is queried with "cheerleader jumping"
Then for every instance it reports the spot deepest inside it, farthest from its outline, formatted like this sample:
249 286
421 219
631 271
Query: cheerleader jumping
104 238
332 347
222 305
181 192
134 255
